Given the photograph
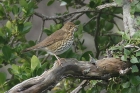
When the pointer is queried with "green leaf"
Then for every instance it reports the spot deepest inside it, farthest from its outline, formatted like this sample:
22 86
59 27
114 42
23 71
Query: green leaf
137 7
53 28
2 13
23 3
39 71
58 26
135 69
31 5
125 90
119 2
35 63
78 33
24 28
15 69
15 10
77 22
86 28
126 85
92 4
103 41
138 53
63 3
136 35
126 36
7 52
20 27
117 10
44 66
47 31
134 60
50 2
27 27
135 80
127 52
89 15
120 32
2 78
124 58
86 55
108 26
9 25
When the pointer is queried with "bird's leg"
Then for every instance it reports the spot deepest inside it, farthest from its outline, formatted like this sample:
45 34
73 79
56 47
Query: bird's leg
59 62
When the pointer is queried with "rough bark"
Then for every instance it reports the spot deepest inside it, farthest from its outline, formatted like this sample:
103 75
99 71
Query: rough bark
127 18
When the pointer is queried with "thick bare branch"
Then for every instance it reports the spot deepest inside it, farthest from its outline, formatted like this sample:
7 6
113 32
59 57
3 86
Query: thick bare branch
127 19
113 4
71 68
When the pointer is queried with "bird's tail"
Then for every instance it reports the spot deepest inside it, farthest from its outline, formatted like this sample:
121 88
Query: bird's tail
29 49
26 50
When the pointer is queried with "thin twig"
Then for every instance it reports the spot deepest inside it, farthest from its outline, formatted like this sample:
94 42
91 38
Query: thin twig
41 33
82 85
11 41
117 16
112 34
76 17
90 20
28 19
116 25
114 22
97 34
60 17
44 59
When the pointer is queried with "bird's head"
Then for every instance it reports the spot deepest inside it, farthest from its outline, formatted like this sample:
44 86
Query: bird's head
69 27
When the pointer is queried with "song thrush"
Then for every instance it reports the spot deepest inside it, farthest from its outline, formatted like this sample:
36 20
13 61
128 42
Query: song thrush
58 42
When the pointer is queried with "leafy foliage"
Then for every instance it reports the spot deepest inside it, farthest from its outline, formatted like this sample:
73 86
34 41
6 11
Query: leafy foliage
17 14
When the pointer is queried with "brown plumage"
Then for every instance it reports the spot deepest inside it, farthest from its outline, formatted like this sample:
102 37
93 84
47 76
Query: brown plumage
58 42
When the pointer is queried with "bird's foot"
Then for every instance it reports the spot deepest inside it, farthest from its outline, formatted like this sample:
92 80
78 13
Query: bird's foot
59 62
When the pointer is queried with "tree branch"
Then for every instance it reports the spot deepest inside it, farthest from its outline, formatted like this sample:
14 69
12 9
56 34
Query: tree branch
127 19
117 16
90 20
76 12
97 34
40 35
76 17
83 84
60 17
104 69
113 4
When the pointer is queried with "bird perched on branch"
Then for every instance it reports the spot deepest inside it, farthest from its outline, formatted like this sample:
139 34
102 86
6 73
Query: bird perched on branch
58 42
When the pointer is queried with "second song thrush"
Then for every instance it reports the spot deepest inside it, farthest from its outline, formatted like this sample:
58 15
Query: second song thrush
58 42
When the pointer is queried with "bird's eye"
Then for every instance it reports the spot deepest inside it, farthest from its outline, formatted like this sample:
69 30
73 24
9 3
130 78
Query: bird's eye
70 27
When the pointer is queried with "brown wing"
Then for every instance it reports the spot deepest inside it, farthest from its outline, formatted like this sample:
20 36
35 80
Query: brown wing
53 38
